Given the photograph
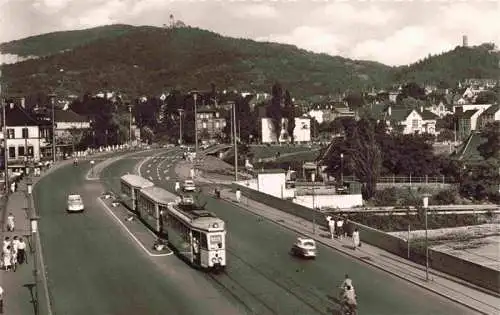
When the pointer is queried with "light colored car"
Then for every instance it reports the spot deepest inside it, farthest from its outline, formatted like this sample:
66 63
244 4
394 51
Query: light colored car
304 247
75 203
189 185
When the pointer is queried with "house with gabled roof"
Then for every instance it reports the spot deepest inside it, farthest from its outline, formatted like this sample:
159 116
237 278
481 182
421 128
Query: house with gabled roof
25 136
410 120
490 115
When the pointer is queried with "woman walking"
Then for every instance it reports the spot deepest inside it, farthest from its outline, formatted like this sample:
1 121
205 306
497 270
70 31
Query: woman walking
355 238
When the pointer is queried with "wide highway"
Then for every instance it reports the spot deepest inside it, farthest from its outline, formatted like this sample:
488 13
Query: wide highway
94 267
264 279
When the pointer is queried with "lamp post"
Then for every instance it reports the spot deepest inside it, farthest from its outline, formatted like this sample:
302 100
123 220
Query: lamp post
235 144
130 125
426 206
181 112
342 169
52 103
313 179
195 97
34 230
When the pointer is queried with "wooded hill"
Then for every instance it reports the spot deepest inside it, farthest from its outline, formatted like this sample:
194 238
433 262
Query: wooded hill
147 60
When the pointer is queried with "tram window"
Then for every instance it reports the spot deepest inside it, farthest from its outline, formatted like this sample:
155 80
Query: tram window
204 241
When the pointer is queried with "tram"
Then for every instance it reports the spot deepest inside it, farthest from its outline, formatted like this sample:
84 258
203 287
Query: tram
130 187
152 202
196 234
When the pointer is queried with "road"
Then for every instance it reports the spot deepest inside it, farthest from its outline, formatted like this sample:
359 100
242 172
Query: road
265 279
93 267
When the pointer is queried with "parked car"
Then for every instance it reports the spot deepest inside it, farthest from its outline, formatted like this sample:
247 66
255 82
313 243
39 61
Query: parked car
304 247
189 185
75 203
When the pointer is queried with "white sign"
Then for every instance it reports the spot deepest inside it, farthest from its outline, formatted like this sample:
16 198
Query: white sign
426 202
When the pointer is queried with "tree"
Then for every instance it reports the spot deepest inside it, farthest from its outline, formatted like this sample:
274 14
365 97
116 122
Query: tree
365 155
290 115
486 97
274 112
491 148
355 100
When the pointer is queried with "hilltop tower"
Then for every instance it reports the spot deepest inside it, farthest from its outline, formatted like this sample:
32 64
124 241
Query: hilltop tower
465 41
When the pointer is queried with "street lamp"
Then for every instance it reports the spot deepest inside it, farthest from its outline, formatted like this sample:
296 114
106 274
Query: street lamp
195 97
130 125
235 144
342 169
426 206
181 111
52 103
313 179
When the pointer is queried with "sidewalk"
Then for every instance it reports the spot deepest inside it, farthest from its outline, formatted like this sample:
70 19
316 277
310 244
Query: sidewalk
444 285
19 286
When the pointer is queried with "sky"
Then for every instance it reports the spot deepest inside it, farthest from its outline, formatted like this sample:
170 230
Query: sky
394 32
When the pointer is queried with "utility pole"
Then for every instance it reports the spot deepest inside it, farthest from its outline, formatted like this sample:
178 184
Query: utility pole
4 130
235 144
195 96
52 102
130 124
180 110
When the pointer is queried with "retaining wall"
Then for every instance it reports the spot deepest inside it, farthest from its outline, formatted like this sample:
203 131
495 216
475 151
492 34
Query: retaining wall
476 274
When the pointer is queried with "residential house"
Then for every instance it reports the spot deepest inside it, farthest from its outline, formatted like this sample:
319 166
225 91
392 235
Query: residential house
488 116
210 122
301 132
441 109
467 122
25 137
411 120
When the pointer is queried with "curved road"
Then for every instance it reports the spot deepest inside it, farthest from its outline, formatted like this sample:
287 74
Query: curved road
93 267
265 279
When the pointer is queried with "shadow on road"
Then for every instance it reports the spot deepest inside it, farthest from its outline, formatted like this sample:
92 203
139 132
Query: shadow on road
34 302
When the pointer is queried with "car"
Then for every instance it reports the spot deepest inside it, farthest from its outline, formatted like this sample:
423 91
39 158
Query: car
189 185
304 247
75 203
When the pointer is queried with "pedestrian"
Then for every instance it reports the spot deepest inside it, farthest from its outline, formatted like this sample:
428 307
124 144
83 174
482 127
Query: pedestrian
13 187
21 252
238 195
7 258
355 238
6 243
10 223
340 228
331 226
15 252
1 300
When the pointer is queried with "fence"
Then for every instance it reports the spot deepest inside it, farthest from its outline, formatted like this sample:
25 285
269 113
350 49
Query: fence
410 179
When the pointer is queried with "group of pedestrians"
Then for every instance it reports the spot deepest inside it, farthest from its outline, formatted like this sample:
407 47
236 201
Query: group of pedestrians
13 250
340 227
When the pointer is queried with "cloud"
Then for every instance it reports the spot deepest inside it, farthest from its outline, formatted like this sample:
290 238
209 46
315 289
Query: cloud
309 38
256 11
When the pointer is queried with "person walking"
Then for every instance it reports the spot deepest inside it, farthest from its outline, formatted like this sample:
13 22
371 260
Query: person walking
331 226
355 238
7 258
340 228
1 300
6 243
238 195
21 252
10 223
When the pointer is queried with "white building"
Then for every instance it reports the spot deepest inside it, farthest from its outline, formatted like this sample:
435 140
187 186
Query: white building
25 136
301 132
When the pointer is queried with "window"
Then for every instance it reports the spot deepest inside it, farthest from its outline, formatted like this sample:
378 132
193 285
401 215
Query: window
414 124
11 133
12 152
31 151
20 151
204 125
25 133
217 124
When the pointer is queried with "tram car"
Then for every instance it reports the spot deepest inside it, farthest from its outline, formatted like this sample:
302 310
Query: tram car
196 234
152 202
130 188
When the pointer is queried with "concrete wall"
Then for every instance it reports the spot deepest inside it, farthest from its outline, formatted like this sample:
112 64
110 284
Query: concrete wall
329 201
476 274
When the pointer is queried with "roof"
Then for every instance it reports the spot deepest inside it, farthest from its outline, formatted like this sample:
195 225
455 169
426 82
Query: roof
158 194
428 115
468 113
136 181
271 171
68 116
400 114
18 116
492 110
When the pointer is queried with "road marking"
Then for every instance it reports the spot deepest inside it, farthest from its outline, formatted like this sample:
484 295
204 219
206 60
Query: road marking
145 160
131 234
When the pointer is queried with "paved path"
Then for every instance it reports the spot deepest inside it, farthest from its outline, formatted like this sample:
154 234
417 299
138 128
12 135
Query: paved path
267 280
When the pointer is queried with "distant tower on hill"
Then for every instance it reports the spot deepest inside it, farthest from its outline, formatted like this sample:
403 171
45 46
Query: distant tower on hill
465 41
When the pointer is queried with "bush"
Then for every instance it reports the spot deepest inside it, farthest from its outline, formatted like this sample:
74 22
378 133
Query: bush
446 197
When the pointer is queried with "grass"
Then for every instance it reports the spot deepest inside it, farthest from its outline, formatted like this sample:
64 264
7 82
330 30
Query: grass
260 152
